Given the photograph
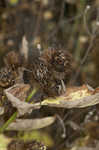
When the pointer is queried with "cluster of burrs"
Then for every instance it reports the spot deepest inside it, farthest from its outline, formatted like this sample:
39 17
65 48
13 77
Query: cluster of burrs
9 74
49 70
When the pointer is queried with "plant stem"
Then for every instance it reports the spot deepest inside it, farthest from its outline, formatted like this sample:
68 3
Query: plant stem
12 118
31 94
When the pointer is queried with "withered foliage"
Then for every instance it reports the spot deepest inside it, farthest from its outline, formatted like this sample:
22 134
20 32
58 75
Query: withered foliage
74 25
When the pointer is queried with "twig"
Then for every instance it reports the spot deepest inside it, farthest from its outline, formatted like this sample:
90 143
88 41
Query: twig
38 21
85 21
92 38
63 126
59 21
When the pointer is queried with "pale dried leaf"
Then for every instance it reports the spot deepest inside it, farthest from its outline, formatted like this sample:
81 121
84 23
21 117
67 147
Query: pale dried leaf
30 124
77 97
22 106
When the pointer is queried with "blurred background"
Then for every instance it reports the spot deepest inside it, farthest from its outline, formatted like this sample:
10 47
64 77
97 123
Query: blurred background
74 24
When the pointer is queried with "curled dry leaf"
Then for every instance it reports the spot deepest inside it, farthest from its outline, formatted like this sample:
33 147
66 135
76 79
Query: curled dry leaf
30 124
19 91
75 97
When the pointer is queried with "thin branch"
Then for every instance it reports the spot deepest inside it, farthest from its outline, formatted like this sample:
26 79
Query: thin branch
38 21
92 35
85 20
63 126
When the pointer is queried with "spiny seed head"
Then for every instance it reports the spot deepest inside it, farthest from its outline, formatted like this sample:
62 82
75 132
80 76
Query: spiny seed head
52 70
13 60
6 77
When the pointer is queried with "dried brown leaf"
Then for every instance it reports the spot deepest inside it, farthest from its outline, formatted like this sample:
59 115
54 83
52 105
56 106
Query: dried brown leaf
75 97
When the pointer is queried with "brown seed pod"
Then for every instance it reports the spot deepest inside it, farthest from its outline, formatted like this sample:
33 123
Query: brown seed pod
51 71
13 60
7 78
60 61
